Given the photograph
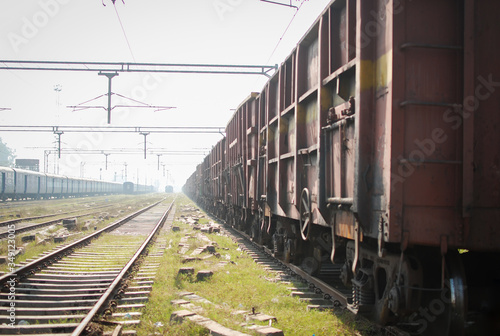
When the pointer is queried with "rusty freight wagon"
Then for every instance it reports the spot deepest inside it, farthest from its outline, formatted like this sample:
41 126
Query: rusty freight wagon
240 173
215 197
374 150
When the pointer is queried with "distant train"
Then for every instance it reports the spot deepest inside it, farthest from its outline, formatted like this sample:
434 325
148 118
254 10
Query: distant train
134 188
169 189
25 184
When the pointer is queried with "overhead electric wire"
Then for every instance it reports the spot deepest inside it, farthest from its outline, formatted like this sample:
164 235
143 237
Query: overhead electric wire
124 34
286 29
82 106
18 77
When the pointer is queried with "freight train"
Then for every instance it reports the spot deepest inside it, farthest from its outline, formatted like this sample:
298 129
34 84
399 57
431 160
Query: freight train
19 184
375 147
135 188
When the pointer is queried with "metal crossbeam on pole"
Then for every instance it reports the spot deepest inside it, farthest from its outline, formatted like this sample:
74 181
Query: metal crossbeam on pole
133 151
115 67
145 134
119 151
114 129
59 133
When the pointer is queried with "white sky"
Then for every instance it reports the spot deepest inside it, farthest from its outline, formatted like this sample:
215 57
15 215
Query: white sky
194 31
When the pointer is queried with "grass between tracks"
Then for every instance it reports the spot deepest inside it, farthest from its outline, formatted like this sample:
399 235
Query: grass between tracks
241 285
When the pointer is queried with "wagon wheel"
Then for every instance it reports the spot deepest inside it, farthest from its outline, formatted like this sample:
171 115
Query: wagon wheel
305 219
453 310
458 288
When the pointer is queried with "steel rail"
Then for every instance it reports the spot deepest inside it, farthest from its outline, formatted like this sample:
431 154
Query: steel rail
335 294
104 298
26 269
338 298
324 287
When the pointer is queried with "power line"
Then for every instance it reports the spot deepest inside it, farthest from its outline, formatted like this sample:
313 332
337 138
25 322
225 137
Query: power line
123 30
286 29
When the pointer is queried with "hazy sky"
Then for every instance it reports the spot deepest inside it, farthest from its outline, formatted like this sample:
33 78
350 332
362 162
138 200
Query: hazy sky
194 31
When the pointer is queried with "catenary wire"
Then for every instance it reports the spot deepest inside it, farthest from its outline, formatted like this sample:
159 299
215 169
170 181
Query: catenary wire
286 29
124 34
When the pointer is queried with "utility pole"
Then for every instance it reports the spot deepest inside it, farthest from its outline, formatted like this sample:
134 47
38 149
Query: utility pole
106 160
110 76
145 135
158 161
58 133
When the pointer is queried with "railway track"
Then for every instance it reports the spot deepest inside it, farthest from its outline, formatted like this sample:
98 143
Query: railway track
5 229
19 220
64 291
315 290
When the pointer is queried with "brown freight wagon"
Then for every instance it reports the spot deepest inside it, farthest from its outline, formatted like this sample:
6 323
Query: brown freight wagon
375 148
193 186
240 165
217 192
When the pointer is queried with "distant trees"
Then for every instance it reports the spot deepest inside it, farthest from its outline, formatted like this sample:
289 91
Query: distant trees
7 155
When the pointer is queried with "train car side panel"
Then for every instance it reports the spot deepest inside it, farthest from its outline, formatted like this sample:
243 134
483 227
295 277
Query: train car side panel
8 185
425 158
481 122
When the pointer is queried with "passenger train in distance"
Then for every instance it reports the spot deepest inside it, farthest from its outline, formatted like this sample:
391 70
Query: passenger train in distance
374 151
17 184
